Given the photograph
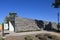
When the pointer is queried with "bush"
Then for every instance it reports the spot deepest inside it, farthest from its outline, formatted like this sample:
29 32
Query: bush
41 37
53 37
29 38
47 37
1 38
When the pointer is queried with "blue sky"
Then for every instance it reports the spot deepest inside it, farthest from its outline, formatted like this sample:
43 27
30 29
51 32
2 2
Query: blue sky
33 9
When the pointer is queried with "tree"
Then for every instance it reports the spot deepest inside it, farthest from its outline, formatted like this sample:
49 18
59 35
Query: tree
12 14
56 4
40 24
6 19
11 18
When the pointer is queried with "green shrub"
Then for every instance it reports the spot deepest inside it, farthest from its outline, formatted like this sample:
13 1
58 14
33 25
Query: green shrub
27 31
47 37
41 37
1 38
51 36
29 38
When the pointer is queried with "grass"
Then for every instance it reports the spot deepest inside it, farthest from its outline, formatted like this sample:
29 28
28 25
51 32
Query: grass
26 31
1 38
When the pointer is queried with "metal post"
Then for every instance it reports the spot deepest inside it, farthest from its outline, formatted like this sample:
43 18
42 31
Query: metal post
2 29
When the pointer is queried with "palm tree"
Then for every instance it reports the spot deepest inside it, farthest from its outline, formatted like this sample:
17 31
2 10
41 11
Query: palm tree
12 14
11 18
56 4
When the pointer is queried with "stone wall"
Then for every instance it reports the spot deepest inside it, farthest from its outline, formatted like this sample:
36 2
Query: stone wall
23 24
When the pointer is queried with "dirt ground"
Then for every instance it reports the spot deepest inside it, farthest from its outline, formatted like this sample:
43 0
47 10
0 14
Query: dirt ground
21 36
